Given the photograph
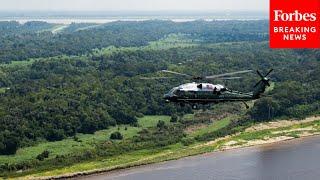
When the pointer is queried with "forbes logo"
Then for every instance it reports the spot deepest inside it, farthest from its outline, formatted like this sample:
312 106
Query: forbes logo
279 15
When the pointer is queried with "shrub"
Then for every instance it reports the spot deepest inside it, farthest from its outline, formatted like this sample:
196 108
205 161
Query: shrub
161 124
264 109
187 141
55 135
9 144
75 138
43 155
116 136
174 118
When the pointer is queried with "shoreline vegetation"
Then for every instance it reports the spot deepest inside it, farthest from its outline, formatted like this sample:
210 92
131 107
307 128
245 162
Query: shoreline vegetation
258 134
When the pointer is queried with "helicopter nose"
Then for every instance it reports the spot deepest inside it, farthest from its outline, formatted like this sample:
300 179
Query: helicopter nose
167 97
170 97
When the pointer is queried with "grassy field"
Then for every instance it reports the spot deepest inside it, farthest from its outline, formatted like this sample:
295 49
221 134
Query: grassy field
58 28
85 142
18 63
168 42
3 90
212 127
151 121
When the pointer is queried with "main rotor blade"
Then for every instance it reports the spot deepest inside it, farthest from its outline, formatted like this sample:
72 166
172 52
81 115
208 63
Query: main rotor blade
229 78
268 72
260 74
257 84
227 74
176 73
154 78
264 95
268 84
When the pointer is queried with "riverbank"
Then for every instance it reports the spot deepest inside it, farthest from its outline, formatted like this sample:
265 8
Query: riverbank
281 160
263 133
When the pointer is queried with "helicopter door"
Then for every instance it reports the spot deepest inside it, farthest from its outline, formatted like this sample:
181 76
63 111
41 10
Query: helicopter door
193 94
215 90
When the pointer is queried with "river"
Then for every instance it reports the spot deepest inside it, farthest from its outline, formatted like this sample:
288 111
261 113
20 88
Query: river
106 17
297 159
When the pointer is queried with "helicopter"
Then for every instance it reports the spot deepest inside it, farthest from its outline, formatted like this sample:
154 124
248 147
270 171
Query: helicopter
195 93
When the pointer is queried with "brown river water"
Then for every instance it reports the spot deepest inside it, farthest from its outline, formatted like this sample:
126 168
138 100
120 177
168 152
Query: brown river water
297 159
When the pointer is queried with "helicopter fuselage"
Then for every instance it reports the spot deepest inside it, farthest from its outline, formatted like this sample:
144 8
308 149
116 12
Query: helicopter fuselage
205 93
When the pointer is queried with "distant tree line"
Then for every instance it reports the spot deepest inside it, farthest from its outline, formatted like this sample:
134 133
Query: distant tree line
35 39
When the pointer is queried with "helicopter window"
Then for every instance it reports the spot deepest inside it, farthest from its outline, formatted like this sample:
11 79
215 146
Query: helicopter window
173 90
199 86
178 91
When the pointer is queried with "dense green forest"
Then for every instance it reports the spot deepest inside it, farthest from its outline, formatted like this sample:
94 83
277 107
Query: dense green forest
34 39
55 85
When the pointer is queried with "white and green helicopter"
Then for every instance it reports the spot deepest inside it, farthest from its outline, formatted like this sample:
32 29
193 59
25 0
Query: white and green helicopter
206 93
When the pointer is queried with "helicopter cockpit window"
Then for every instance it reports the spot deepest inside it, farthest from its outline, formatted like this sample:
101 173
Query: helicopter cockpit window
178 92
173 90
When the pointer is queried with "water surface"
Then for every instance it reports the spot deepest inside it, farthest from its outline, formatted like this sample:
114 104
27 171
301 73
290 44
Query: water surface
297 160
106 17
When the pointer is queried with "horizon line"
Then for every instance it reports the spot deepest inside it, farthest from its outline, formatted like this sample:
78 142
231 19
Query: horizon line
160 10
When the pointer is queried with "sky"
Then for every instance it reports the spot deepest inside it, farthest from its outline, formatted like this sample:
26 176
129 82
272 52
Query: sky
132 5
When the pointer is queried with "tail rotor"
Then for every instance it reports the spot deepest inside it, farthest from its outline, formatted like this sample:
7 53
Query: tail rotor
260 86
264 78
